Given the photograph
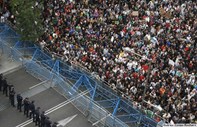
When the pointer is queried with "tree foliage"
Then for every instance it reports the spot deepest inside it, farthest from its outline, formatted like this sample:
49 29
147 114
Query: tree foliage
29 21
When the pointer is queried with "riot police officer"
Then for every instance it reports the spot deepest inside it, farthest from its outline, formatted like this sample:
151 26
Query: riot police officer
11 96
43 118
32 110
37 116
19 102
1 81
10 87
54 124
5 87
26 107
47 122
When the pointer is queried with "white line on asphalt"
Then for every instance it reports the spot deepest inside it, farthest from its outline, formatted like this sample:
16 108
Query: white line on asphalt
66 120
56 107
101 119
68 101
38 84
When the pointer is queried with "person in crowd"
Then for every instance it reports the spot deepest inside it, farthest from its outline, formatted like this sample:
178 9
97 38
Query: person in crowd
6 13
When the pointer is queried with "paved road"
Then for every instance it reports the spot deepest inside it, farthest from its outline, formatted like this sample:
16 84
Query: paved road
21 80
4 102
47 99
66 112
73 117
10 117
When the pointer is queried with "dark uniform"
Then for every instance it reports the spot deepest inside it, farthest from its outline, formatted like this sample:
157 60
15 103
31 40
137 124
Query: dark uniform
12 93
43 118
32 110
54 124
5 87
19 102
47 122
37 116
1 81
10 87
26 107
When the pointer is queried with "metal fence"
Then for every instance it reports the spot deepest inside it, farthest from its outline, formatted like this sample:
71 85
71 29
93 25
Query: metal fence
101 105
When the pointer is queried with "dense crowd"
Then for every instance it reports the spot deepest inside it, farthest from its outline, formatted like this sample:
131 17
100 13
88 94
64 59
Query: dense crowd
105 36
5 12
131 44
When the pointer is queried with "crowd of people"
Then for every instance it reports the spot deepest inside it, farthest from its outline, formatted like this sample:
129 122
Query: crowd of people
5 12
132 45
29 108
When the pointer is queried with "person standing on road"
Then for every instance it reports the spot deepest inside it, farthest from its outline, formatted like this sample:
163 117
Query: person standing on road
11 96
37 116
54 124
26 107
19 102
1 81
43 118
32 110
47 122
5 87
10 87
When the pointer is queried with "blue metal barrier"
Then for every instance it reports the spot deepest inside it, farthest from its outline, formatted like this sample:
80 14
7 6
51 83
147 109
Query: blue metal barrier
101 103
69 72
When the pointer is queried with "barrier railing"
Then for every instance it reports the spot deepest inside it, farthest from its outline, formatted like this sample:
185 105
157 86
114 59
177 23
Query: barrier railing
106 85
44 67
95 113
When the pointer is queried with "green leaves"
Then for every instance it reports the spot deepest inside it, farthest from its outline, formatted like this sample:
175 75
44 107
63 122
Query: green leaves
28 18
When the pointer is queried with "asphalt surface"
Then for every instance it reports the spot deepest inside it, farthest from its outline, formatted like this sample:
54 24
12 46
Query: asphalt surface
66 112
10 117
21 80
47 99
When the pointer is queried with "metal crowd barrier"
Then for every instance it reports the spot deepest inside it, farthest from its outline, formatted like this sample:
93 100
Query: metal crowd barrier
106 85
67 80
